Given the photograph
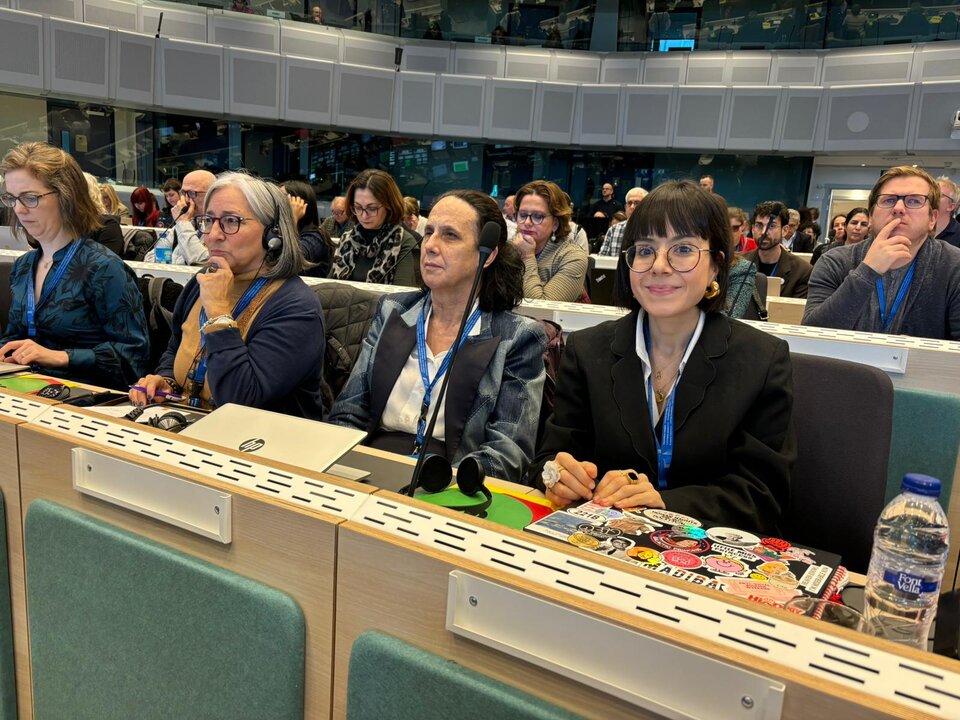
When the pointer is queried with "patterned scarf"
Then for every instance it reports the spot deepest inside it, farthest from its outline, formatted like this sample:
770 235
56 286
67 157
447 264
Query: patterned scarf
384 246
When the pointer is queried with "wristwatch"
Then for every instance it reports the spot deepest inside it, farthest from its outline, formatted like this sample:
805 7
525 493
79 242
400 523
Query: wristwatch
551 474
218 322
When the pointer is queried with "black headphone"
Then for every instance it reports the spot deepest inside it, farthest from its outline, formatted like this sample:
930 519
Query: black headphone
436 473
170 421
272 237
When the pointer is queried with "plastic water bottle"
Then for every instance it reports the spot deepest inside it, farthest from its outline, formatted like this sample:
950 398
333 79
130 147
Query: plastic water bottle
909 553
163 250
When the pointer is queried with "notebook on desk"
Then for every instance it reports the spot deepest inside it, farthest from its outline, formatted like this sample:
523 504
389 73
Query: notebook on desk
309 444
765 569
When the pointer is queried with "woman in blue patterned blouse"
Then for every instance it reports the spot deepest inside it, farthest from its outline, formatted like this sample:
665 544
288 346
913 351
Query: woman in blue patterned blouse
76 310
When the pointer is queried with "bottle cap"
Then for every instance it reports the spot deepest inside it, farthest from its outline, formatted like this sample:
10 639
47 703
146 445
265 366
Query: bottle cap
921 484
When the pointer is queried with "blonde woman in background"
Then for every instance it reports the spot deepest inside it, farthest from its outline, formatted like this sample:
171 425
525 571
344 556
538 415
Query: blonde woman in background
112 204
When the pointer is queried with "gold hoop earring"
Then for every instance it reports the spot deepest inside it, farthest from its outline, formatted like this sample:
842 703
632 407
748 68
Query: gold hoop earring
713 289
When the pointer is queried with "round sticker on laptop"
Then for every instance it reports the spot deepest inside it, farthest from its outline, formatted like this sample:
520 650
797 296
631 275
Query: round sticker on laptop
670 518
669 540
643 555
733 537
722 565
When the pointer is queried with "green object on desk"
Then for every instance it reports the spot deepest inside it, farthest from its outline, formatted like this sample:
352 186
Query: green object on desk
505 510
23 384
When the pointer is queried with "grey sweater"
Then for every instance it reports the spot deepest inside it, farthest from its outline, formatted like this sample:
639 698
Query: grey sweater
843 293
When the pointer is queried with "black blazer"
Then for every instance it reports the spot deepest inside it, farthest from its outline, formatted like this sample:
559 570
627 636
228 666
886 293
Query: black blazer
794 271
734 442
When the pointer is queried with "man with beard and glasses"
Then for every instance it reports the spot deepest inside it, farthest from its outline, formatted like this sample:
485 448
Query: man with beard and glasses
769 219
902 281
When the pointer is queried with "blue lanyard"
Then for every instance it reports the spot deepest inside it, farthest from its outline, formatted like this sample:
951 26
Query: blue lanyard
48 287
429 384
199 376
887 320
664 447
773 273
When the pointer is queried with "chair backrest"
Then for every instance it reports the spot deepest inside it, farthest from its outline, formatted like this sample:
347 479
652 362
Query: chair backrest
347 313
390 679
843 416
926 438
159 299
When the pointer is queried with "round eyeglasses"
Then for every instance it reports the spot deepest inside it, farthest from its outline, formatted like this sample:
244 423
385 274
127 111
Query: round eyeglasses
230 224
682 257
911 202
27 199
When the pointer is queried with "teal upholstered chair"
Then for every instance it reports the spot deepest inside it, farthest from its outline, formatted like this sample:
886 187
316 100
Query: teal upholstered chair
8 682
123 627
926 438
392 680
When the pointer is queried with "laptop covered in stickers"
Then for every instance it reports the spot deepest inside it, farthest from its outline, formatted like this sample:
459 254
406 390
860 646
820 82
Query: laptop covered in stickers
765 569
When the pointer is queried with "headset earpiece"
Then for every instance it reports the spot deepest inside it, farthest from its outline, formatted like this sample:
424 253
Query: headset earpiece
436 473
470 477
272 237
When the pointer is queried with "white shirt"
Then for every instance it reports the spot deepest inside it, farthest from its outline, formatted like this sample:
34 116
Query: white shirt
648 370
402 410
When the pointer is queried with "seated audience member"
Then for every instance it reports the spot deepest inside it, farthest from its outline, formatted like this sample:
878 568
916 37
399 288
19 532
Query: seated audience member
706 182
618 217
790 229
613 239
902 281
675 405
948 229
188 246
339 221
146 212
806 237
553 267
769 219
607 205
492 403
112 204
86 322
836 227
250 332
171 195
316 15
743 298
315 243
109 233
411 217
378 249
510 215
738 224
855 226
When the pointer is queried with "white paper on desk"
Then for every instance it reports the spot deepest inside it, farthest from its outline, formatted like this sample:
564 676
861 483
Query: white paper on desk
10 368
121 411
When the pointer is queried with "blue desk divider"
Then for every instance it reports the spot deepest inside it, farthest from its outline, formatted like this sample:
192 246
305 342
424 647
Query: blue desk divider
926 439
8 681
392 680
123 627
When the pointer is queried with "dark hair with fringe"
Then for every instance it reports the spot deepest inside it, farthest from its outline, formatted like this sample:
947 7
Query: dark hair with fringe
689 211
501 284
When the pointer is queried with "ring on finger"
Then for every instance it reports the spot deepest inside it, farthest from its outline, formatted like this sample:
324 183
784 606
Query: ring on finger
632 477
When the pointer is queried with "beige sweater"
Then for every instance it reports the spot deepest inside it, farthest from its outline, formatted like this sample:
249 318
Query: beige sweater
557 274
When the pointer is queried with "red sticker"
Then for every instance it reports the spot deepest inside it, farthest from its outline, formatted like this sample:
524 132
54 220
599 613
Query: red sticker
681 559
775 544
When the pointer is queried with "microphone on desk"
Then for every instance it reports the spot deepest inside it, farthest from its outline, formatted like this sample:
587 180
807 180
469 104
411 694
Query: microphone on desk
435 471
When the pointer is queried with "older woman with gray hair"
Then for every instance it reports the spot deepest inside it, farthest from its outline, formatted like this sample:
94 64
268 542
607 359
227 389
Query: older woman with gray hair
247 330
